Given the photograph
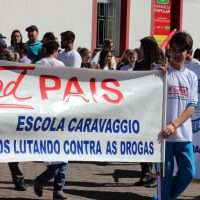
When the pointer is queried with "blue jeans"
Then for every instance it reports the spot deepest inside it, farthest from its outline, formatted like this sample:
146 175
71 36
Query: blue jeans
173 186
56 171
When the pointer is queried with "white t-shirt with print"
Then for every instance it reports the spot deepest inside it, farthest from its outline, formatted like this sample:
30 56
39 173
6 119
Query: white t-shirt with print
50 61
70 58
182 92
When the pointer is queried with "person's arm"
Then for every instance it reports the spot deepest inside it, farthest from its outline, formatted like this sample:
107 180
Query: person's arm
170 129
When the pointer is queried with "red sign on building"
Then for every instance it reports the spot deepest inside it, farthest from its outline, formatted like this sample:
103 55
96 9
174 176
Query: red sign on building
161 19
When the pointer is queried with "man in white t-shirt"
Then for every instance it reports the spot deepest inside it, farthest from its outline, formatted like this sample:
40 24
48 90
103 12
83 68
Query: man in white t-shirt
181 102
69 56
56 170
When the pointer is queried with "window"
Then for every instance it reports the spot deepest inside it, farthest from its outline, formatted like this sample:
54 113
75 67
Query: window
108 23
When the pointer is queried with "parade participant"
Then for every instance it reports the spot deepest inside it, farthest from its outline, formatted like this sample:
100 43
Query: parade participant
107 46
51 53
54 170
105 60
132 57
197 54
16 40
150 57
86 57
181 103
16 172
69 56
33 45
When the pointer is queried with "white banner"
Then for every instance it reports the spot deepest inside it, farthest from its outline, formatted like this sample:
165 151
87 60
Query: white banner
61 114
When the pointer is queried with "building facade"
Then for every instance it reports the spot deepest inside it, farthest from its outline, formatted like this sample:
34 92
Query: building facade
123 21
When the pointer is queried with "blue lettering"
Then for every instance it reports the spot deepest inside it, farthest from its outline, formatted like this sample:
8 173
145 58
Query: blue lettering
29 123
20 123
61 125
35 127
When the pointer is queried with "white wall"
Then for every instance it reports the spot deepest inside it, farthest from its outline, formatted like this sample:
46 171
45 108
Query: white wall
191 16
49 15
140 21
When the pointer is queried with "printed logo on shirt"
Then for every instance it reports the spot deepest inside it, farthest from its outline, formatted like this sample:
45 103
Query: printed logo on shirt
196 125
178 91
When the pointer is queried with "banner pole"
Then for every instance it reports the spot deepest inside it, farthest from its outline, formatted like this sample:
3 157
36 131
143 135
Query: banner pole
162 164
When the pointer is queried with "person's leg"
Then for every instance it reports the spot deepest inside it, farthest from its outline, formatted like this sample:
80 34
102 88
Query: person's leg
15 169
44 178
59 182
17 176
48 174
186 168
166 181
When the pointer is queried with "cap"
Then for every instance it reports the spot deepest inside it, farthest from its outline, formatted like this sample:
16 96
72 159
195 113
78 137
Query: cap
32 28
1 36
3 43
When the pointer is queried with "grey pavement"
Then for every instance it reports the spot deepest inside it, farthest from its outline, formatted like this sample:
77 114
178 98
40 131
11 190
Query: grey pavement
88 181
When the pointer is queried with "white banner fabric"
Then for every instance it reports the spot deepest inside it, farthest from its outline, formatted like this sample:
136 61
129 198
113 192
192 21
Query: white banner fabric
62 114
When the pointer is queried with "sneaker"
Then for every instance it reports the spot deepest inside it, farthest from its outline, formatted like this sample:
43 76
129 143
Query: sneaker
151 183
19 183
59 195
38 188
143 180
139 183
115 177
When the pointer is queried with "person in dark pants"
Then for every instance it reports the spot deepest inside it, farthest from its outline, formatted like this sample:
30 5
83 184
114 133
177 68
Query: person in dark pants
56 171
150 57
17 176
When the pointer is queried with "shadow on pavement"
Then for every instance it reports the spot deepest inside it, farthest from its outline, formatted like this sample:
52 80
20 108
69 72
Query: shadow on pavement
21 198
105 195
118 173
94 184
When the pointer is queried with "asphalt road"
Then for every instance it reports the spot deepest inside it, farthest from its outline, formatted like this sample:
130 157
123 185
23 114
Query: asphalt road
88 181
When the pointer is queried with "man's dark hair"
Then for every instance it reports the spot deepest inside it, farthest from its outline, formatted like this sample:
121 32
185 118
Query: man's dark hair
48 36
32 28
183 40
68 35
50 47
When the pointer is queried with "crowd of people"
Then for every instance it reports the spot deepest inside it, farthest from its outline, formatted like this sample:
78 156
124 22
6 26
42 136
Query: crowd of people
182 96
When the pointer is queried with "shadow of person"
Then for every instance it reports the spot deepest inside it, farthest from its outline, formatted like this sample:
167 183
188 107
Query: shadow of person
106 195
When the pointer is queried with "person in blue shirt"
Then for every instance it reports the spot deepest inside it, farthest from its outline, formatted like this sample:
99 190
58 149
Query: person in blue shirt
33 45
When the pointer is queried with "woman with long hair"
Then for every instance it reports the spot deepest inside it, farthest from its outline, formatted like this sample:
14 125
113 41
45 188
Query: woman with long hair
151 57
150 54
16 40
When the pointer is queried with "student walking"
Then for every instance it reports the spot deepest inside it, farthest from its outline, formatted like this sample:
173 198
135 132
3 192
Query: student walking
181 103
54 170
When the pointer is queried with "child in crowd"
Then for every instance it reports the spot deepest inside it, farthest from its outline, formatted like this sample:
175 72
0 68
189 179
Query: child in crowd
132 57
181 103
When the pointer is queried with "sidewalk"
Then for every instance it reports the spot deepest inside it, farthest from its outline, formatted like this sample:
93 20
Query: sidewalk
88 181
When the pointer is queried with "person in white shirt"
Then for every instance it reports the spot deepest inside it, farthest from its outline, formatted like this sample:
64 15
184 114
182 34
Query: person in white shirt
69 56
51 51
56 170
181 102
23 58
